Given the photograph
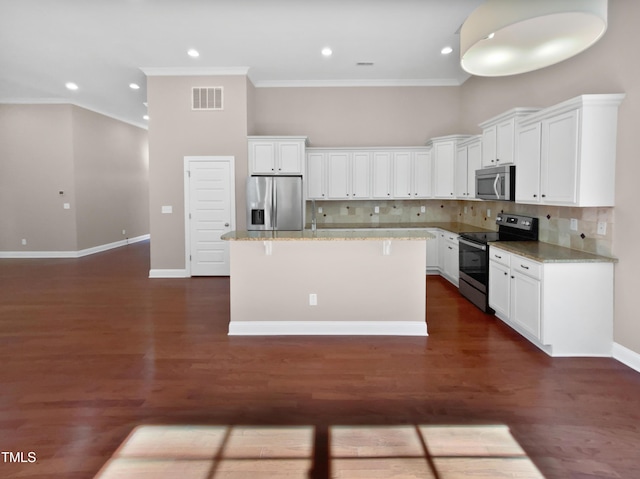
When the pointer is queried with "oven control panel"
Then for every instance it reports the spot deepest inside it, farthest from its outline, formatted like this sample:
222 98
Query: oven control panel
516 221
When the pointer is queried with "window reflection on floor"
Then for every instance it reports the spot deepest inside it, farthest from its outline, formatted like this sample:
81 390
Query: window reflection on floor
234 452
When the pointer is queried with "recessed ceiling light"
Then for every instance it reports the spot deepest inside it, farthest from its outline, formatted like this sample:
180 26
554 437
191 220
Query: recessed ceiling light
327 52
193 53
446 50
71 86
134 86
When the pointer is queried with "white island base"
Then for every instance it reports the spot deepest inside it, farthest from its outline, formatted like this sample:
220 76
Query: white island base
359 287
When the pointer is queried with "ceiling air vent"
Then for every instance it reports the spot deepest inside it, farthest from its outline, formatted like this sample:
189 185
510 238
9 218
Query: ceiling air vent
206 98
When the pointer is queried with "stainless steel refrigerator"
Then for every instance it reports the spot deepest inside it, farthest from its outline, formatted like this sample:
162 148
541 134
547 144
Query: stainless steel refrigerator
274 203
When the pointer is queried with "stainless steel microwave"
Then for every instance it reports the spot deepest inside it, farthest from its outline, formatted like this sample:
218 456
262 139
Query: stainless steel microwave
497 183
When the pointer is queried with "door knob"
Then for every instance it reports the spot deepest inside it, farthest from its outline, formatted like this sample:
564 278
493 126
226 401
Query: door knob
226 224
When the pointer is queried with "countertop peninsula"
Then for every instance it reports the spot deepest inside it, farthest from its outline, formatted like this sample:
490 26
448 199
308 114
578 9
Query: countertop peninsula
550 253
356 234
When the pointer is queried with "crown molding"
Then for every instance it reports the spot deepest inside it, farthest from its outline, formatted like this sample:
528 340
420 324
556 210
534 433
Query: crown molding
190 71
355 83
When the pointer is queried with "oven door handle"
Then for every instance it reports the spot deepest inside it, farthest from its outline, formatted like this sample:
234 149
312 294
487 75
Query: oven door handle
473 245
495 185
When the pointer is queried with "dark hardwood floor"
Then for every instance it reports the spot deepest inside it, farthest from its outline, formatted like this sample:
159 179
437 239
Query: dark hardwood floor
91 348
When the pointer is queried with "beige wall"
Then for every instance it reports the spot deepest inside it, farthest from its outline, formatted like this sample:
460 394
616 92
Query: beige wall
111 176
608 67
176 131
98 163
368 116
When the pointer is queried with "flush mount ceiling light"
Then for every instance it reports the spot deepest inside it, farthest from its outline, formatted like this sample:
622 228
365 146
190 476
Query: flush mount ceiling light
71 86
134 86
507 37
446 50
327 52
193 53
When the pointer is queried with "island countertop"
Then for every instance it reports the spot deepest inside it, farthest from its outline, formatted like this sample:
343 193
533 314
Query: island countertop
357 234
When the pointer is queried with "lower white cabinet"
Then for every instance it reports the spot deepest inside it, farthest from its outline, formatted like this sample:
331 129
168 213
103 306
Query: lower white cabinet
564 308
433 252
449 259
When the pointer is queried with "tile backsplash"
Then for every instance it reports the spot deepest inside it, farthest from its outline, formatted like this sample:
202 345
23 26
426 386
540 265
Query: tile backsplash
555 221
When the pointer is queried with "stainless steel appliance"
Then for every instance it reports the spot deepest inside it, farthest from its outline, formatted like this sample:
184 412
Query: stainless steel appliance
498 183
274 203
474 254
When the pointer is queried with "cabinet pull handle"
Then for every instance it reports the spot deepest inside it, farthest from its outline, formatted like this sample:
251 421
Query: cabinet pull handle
498 256
544 196
449 247
524 267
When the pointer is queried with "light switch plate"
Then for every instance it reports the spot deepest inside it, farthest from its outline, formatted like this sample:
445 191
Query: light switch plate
574 224
66 206
376 209
167 209
602 228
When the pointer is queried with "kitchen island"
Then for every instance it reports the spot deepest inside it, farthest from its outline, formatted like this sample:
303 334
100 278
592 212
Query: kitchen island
328 282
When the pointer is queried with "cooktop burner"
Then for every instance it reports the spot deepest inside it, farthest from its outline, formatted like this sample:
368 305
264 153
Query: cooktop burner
510 228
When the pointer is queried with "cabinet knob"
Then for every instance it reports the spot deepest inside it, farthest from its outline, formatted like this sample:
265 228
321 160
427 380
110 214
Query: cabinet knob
506 274
512 277
544 196
226 224
535 196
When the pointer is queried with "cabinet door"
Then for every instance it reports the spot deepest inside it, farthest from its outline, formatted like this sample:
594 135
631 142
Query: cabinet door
474 162
461 173
525 303
361 175
433 252
290 157
499 289
338 183
315 176
559 163
381 164
262 157
422 174
444 167
528 171
452 261
489 146
505 136
402 174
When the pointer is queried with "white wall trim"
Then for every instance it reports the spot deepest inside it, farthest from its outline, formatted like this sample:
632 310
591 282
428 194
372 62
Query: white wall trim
324 328
168 273
626 356
72 254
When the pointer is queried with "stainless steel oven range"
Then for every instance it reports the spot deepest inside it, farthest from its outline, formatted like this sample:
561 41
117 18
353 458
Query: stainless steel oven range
474 254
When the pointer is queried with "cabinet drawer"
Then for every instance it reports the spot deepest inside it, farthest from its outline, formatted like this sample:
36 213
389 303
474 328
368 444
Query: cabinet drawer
499 256
526 266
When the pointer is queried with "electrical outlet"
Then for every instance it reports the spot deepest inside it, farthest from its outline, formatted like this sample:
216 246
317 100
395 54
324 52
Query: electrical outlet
319 209
574 224
376 209
423 209
313 299
465 210
602 228
24 241
124 232
488 213
66 206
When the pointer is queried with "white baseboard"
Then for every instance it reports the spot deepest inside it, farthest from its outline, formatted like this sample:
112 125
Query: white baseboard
328 328
626 356
168 273
72 254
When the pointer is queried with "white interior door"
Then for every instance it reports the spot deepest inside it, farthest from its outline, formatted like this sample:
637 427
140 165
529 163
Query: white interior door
210 213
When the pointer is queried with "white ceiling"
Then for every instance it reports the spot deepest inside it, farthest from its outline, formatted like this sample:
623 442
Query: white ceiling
103 45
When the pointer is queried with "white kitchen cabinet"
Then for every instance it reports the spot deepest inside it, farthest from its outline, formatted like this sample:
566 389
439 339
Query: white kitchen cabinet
572 148
433 252
564 308
316 175
276 155
444 151
348 175
381 177
468 160
450 260
498 137
411 174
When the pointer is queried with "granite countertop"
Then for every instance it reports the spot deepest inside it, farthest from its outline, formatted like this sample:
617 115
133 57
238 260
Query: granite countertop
550 253
328 235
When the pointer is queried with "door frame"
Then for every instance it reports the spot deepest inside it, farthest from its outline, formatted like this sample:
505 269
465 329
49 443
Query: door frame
188 161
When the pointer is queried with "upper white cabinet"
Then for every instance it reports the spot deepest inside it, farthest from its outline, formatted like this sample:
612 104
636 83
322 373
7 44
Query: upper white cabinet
338 174
381 174
445 150
468 160
275 155
316 175
567 153
498 137
412 174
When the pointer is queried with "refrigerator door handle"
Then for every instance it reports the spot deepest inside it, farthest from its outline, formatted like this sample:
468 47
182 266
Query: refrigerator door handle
274 204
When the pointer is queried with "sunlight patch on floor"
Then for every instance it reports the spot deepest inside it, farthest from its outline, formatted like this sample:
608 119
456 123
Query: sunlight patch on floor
397 452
